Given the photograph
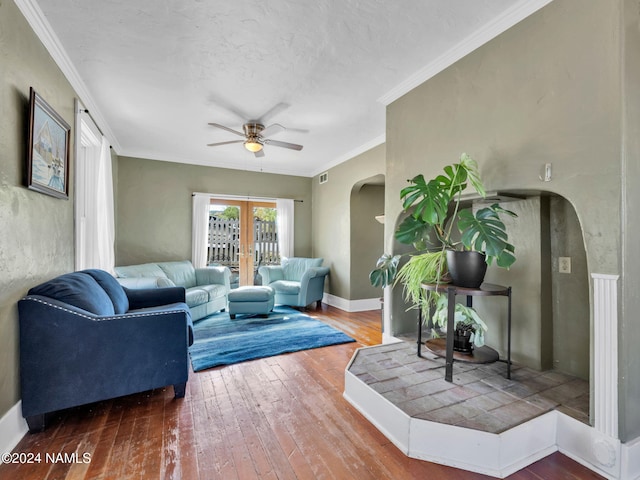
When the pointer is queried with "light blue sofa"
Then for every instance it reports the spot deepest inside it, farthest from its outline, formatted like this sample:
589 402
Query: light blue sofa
206 288
297 282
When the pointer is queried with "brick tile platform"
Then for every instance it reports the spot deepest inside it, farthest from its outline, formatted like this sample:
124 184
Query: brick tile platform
480 396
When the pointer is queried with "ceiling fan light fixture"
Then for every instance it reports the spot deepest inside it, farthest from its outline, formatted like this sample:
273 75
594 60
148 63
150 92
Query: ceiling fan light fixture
255 137
253 145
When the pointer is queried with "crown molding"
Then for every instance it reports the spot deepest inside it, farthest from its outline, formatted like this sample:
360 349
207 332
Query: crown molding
379 140
38 22
242 166
508 19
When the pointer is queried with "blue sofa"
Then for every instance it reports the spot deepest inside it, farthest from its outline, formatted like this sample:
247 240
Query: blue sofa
206 288
297 282
84 338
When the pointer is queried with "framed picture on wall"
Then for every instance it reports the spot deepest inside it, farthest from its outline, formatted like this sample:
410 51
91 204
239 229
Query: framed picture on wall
48 149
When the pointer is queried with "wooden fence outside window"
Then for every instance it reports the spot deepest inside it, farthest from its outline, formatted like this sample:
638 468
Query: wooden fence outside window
224 243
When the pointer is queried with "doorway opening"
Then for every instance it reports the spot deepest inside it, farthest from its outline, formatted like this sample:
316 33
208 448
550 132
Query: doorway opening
243 236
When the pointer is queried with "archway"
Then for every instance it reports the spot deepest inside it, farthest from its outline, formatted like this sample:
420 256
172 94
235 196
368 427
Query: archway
367 234
550 281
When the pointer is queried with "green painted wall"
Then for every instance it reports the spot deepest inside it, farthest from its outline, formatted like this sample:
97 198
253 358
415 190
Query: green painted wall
561 87
367 237
629 330
153 219
528 282
571 318
333 221
36 239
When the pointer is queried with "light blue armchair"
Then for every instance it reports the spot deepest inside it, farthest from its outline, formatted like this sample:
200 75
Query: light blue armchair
297 282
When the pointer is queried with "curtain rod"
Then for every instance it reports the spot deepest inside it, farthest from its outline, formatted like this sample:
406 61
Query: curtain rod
84 110
239 197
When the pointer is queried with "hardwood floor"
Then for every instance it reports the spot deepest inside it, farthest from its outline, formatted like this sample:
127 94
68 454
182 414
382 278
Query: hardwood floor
276 418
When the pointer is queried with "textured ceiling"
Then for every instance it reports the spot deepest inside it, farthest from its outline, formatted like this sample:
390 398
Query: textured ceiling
158 72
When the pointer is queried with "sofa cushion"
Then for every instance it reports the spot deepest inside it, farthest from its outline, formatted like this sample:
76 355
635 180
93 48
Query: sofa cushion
286 287
112 287
214 291
181 273
295 267
196 296
78 289
142 270
145 282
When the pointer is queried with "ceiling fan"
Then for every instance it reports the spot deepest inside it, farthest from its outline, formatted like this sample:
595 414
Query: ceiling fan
256 137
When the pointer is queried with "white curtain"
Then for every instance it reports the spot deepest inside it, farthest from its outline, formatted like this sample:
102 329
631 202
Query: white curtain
200 230
284 218
105 230
95 231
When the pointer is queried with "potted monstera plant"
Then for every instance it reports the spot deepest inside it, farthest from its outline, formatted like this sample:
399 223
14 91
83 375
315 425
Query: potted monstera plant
441 232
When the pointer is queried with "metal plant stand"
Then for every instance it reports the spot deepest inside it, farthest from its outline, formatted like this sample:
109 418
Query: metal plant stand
485 290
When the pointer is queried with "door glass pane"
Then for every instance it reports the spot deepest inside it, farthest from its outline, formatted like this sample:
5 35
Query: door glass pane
265 240
224 239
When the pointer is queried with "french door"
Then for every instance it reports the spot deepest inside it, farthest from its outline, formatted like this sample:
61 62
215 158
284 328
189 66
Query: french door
243 247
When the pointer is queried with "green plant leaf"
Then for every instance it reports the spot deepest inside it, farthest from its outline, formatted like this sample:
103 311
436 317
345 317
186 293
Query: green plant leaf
462 313
386 270
414 231
430 199
455 180
485 232
473 173
427 267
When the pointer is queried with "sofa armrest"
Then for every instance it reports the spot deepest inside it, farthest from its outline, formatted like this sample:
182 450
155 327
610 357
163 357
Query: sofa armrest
314 272
178 307
154 297
145 282
271 273
214 276
312 284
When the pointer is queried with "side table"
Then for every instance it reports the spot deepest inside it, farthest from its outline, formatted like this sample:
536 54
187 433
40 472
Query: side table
485 290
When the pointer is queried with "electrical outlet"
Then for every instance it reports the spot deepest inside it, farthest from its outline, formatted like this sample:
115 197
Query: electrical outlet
564 264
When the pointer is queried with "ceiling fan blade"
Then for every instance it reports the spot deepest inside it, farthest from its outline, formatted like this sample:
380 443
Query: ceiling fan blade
224 143
272 112
259 153
217 125
228 106
276 143
272 130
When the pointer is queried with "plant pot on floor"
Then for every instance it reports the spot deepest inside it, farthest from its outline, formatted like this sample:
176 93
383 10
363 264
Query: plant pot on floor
467 268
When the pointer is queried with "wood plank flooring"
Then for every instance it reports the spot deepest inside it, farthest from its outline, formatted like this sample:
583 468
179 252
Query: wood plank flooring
282 417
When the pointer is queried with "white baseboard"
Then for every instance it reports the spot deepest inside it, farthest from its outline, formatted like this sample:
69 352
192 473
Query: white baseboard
631 460
362 305
12 428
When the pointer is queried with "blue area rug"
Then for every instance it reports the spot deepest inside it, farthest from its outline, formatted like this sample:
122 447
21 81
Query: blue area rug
218 340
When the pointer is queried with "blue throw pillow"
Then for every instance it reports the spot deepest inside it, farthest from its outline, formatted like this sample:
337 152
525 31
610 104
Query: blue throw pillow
113 288
77 289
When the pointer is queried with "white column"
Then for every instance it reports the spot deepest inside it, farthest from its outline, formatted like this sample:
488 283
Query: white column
605 354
